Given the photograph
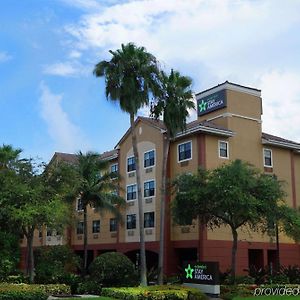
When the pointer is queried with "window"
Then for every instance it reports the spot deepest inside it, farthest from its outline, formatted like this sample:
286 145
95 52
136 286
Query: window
149 159
114 168
49 232
149 188
184 151
223 149
130 164
79 229
79 204
131 221
149 219
131 192
96 226
113 224
268 158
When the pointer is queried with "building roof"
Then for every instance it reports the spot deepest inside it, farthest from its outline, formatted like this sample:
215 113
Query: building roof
204 126
229 86
72 158
269 139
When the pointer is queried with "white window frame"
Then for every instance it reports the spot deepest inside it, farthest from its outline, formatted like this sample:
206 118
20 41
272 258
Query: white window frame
187 159
154 188
114 165
77 200
264 149
154 159
132 156
135 192
227 149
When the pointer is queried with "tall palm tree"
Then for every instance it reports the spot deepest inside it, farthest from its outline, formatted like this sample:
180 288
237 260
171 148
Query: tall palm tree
8 155
131 76
96 187
173 105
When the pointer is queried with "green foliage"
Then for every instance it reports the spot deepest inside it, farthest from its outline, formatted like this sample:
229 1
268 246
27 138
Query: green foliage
54 264
174 101
89 287
9 254
49 289
28 295
235 195
292 272
130 77
113 269
166 292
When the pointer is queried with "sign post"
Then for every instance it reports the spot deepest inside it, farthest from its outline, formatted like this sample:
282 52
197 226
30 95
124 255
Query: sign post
204 276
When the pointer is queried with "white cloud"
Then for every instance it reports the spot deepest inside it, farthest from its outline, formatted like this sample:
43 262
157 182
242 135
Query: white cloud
68 69
60 69
4 57
66 135
210 40
281 103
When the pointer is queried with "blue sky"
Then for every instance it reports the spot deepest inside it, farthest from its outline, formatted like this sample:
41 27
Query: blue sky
50 101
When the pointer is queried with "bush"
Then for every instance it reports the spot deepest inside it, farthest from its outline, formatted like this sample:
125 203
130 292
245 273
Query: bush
48 289
9 254
169 292
292 272
28 295
89 287
53 264
113 269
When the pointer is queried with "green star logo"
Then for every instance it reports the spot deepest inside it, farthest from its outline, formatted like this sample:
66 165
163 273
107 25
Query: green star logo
202 106
189 272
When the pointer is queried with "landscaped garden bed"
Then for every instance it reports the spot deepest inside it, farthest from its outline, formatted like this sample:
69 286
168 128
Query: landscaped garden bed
11 291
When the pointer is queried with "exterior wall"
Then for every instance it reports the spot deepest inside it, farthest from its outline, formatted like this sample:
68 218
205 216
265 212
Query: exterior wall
148 138
242 115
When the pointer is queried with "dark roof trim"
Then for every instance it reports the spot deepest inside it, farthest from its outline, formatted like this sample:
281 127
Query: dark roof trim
232 86
268 139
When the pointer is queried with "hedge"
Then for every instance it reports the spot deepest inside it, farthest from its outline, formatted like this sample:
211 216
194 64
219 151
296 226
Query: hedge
23 295
33 289
169 292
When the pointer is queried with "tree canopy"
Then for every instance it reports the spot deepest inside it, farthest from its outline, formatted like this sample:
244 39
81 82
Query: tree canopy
233 195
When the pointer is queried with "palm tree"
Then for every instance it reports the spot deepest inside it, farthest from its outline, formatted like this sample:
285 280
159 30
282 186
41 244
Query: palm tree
95 190
8 155
173 104
131 76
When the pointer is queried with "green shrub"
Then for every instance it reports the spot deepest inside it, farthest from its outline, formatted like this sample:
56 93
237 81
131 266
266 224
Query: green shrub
54 263
49 289
166 292
28 295
113 269
9 254
89 287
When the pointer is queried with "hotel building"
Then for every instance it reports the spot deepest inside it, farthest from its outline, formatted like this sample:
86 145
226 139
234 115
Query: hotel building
228 127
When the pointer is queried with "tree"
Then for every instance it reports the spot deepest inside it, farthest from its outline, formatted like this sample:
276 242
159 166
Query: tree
173 105
234 195
131 76
32 202
95 187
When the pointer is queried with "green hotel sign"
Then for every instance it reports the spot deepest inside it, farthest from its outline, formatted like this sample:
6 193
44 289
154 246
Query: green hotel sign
202 273
211 102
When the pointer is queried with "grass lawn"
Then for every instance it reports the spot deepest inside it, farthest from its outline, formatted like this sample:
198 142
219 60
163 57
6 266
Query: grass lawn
267 298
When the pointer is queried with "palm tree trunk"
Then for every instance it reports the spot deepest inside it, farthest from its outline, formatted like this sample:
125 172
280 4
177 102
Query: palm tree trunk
85 253
233 253
143 275
166 144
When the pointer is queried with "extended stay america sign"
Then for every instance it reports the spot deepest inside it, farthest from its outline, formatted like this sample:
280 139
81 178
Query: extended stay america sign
211 102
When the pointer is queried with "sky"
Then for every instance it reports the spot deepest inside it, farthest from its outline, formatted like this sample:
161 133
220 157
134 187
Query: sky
51 101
